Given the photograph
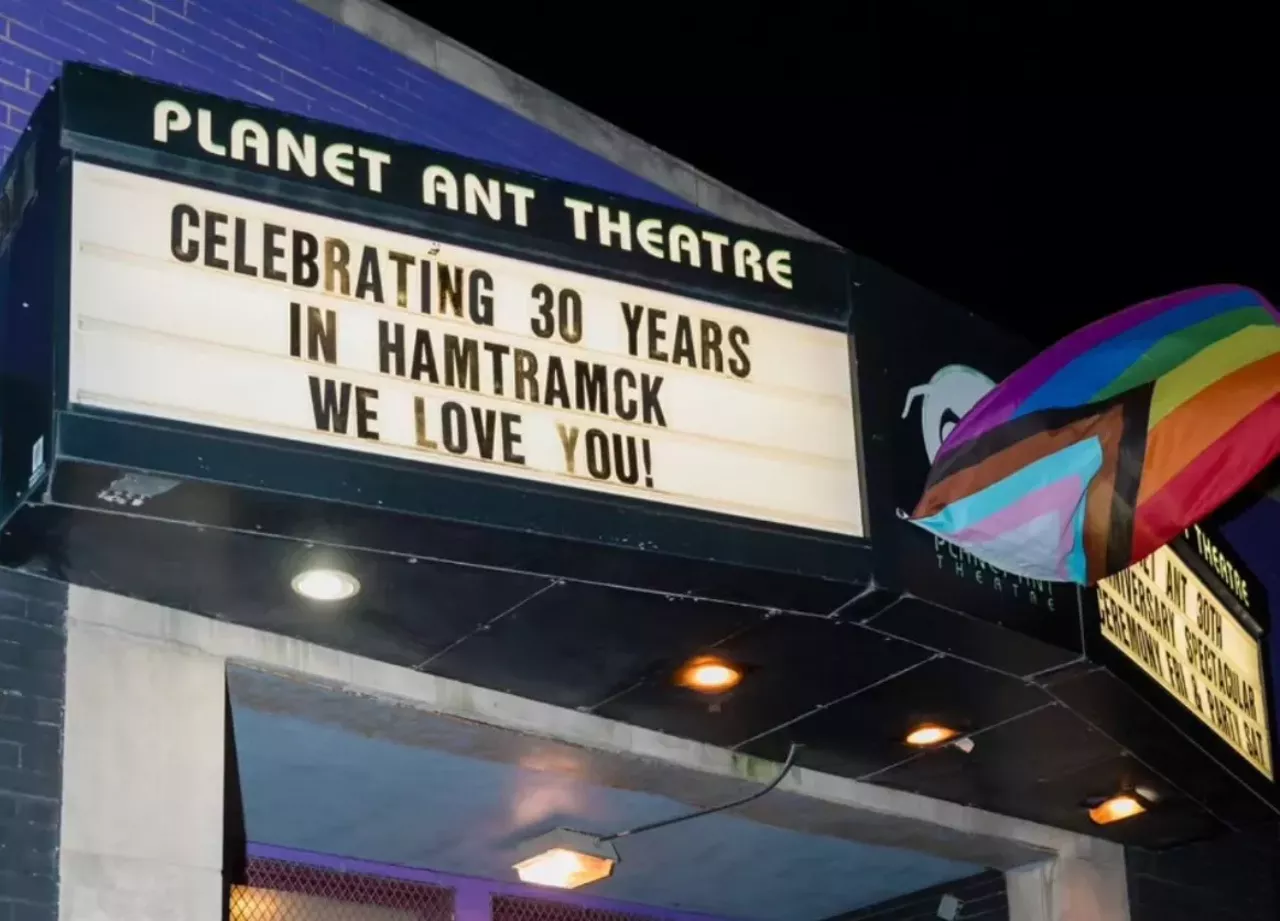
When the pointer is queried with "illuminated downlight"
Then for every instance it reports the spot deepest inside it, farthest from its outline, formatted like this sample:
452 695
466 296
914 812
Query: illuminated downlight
1116 809
565 859
930 734
709 675
326 584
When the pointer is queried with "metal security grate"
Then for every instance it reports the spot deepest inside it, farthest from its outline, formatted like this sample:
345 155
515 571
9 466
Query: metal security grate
519 908
277 890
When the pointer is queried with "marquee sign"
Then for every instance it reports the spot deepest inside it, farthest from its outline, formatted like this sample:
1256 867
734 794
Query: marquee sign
1167 622
215 309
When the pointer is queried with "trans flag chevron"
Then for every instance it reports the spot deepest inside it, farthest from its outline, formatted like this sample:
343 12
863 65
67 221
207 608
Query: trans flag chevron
1107 446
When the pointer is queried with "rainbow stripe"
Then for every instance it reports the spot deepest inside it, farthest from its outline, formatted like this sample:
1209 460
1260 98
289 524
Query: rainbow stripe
1106 446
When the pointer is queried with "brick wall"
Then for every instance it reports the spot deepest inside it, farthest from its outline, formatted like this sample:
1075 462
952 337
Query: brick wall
982 898
32 677
1227 879
284 55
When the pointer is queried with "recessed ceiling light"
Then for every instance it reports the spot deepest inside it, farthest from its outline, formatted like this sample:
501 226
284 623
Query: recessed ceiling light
1116 809
709 675
326 584
930 734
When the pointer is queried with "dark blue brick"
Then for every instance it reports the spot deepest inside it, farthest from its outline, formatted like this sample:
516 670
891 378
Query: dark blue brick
288 99
80 34
244 42
254 91
45 45
205 37
28 59
139 9
337 110
27 911
93 15
109 26
44 613
188 58
30 708
28 887
219 56
17 655
240 27
29 11
224 85
23 615
13 75
32 665
30 783
29 848
30 734
36 810
31 634
33 588
42 759
277 20
295 59
38 682
322 81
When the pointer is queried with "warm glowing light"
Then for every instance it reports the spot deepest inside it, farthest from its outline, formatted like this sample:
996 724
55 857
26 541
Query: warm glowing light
1117 809
709 675
325 584
929 734
562 868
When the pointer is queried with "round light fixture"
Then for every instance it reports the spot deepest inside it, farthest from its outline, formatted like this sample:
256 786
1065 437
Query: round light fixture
1147 794
326 584
708 675
930 734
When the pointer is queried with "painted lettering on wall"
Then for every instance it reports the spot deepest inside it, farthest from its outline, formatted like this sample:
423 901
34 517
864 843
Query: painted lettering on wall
966 566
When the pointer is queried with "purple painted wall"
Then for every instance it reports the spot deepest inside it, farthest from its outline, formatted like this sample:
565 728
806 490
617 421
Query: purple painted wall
281 54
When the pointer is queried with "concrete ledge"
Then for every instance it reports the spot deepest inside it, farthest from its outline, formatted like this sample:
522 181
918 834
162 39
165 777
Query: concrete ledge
931 825
431 49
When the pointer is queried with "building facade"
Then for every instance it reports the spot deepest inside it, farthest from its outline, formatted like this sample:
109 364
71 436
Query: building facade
119 765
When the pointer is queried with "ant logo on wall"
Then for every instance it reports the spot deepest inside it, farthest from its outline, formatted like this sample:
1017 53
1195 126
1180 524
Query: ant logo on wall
950 393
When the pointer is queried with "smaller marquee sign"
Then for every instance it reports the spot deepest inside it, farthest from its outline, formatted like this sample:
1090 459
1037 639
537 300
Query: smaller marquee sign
1168 623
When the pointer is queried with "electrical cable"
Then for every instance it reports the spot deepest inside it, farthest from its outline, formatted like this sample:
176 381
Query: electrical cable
663 823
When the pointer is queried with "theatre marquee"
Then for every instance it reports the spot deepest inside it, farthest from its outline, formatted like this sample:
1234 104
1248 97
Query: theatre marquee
219 310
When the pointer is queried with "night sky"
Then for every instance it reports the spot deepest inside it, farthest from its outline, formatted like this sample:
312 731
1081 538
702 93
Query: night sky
1040 166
